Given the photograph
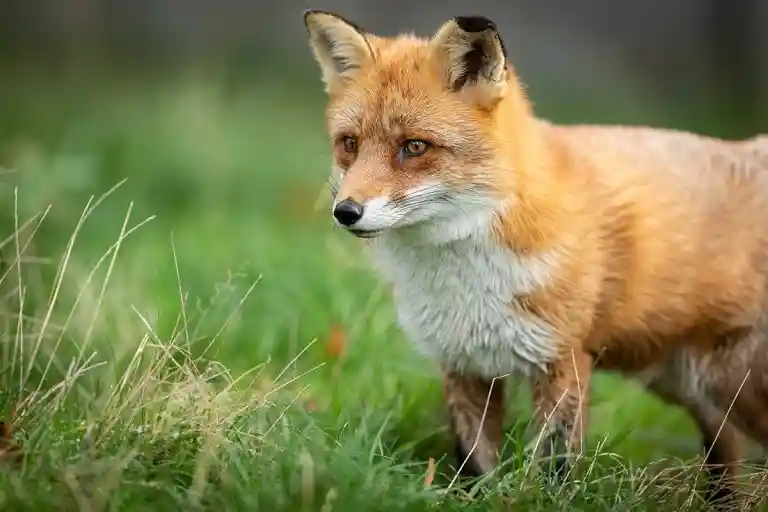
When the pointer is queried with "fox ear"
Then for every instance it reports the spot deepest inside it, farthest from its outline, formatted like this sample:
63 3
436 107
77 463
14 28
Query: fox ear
473 56
339 45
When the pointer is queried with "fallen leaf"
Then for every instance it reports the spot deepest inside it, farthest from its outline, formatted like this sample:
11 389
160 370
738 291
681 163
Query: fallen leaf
337 341
430 476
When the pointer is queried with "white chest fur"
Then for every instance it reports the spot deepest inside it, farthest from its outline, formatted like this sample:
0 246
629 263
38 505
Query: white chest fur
454 302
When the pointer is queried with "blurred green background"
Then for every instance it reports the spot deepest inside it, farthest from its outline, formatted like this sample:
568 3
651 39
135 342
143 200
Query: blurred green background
211 114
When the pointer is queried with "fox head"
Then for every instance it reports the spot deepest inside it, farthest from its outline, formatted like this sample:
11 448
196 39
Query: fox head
421 129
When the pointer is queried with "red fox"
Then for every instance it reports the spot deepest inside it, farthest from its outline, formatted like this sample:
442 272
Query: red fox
514 245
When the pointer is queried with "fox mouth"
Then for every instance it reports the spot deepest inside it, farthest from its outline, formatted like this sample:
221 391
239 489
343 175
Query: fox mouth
365 233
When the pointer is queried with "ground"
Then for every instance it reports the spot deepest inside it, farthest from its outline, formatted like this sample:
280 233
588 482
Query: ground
182 328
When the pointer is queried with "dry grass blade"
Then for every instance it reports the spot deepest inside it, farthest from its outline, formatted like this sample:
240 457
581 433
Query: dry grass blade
430 476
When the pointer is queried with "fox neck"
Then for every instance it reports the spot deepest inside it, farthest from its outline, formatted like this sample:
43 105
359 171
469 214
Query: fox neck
536 193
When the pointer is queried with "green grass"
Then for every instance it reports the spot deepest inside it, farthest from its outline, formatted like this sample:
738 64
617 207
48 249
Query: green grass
166 321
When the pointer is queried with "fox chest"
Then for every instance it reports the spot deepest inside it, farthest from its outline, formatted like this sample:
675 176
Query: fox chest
454 303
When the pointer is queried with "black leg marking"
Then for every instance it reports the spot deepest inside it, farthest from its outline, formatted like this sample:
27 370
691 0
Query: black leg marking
469 469
556 456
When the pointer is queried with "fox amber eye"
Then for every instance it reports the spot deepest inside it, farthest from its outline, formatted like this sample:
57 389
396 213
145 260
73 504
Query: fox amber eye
414 147
350 144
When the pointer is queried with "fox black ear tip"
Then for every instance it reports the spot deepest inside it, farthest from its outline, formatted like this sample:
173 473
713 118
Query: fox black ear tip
474 23
311 12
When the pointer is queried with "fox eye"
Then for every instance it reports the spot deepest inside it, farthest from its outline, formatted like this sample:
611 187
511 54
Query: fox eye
414 147
350 144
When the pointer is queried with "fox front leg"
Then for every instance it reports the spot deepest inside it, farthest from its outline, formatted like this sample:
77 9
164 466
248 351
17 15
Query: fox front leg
476 412
560 397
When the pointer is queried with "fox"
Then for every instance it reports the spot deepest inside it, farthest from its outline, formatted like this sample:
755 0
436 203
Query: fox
517 246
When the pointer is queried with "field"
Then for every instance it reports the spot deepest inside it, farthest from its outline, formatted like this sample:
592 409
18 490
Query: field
183 329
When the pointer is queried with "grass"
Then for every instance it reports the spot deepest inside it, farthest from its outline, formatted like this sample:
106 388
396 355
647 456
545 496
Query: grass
182 330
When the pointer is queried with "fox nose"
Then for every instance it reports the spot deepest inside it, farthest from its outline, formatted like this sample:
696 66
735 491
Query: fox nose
347 212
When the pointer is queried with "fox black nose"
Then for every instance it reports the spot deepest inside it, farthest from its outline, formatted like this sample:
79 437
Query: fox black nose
347 212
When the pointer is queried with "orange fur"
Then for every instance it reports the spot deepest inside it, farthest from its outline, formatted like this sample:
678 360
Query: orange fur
659 236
